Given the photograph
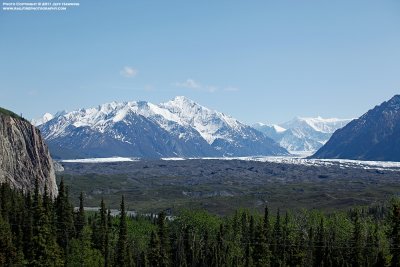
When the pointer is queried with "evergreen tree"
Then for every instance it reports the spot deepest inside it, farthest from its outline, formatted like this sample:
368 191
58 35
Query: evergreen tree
395 234
80 219
154 256
107 256
164 239
286 242
310 248
320 245
47 204
371 248
121 256
27 227
261 253
82 253
143 260
267 225
188 247
7 248
380 260
220 247
277 243
64 218
206 251
45 249
357 247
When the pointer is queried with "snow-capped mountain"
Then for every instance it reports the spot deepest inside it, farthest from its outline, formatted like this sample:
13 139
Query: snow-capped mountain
179 127
302 134
373 136
45 118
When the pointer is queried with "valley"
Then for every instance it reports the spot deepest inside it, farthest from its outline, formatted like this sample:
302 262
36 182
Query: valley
223 185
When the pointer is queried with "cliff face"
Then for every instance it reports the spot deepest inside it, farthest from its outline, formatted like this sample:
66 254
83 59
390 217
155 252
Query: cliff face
24 156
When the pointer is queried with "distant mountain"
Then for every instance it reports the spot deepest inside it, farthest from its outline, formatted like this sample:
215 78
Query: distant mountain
45 118
302 134
178 128
373 136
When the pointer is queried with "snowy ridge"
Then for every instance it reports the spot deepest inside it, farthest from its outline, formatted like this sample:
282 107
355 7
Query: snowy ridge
179 127
303 133
275 127
206 121
104 116
320 124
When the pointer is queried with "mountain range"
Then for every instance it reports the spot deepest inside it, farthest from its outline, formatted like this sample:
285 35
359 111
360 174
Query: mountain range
183 128
177 128
302 134
373 136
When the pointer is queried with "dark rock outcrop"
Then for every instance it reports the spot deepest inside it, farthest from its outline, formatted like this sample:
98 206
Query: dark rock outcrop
373 136
24 156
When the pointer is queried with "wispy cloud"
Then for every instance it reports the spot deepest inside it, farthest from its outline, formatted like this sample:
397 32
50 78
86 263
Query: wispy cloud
128 72
189 83
195 85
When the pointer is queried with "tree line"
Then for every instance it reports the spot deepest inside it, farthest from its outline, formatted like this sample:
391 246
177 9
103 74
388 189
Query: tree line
37 230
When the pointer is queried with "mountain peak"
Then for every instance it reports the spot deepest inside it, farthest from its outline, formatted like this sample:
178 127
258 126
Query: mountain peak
182 101
394 102
182 98
374 136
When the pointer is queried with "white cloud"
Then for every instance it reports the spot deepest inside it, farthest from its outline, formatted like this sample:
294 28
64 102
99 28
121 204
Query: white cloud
189 83
211 88
194 85
128 72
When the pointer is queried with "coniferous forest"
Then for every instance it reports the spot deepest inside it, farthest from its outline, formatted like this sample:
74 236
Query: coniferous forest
37 230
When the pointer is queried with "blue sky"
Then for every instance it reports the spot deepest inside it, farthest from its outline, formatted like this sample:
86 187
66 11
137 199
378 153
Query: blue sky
255 60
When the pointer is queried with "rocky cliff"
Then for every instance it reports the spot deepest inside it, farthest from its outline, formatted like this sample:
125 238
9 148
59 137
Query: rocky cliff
24 155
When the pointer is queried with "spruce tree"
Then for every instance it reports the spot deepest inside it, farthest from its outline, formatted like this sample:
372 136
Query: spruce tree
277 243
188 247
261 257
82 252
154 256
320 245
80 220
121 256
357 247
64 218
28 227
266 225
206 251
164 239
7 248
286 240
395 234
107 256
45 249
221 255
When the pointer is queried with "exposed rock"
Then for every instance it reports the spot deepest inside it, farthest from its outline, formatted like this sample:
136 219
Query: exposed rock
24 156
57 166
373 136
